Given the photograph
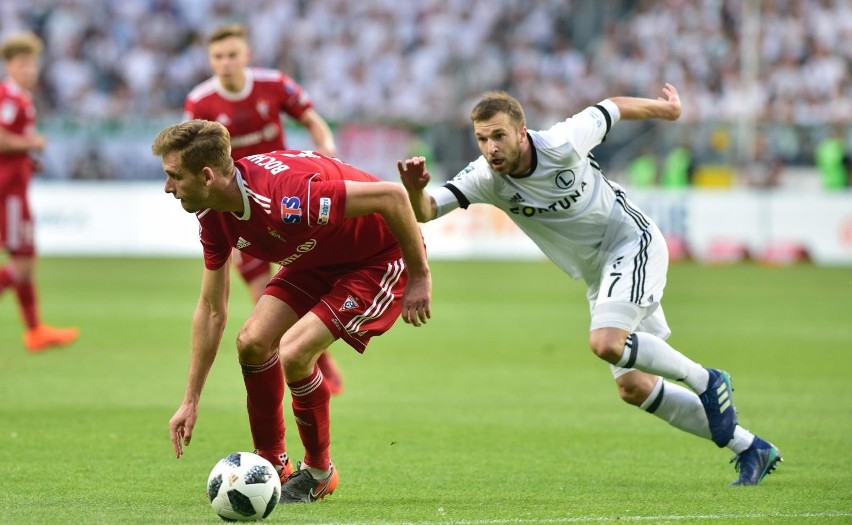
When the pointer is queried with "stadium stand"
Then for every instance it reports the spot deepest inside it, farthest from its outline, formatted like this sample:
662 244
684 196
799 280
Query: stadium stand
419 64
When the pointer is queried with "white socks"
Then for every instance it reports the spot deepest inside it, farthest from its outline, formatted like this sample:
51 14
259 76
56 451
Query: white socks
682 409
317 473
651 354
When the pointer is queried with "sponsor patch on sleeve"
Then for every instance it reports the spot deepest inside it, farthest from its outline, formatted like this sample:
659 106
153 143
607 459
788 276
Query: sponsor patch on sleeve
324 210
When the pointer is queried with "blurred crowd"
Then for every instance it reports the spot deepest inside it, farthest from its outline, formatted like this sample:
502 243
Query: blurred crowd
421 63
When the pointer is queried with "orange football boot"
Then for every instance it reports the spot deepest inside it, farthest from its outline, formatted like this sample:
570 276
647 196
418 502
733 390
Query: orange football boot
44 337
303 487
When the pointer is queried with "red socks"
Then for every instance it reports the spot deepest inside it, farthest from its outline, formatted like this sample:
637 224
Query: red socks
7 277
25 292
311 398
265 394
27 302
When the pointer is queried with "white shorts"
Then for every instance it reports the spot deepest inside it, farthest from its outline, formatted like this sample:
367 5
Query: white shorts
630 289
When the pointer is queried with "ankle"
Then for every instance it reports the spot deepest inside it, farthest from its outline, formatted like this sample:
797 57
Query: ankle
317 473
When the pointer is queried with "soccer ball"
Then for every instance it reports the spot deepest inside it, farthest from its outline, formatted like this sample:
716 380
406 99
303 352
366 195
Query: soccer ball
243 487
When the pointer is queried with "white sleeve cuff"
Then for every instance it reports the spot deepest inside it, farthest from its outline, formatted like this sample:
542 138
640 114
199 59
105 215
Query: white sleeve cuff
610 106
445 200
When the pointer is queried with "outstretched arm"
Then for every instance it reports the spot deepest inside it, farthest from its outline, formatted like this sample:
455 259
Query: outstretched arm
666 108
415 177
15 143
208 324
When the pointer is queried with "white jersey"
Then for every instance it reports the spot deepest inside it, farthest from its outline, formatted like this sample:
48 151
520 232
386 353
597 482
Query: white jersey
564 204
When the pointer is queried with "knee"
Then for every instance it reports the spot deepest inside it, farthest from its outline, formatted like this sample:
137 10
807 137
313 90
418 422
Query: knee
295 357
632 394
298 362
251 348
634 388
607 344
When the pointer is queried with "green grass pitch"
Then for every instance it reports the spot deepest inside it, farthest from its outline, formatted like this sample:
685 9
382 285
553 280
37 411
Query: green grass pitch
494 413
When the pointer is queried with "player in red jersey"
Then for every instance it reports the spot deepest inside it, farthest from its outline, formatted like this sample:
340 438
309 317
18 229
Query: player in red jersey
18 138
249 102
352 261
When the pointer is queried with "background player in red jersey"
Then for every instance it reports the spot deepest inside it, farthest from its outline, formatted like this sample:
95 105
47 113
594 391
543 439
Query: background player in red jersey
352 258
18 138
249 102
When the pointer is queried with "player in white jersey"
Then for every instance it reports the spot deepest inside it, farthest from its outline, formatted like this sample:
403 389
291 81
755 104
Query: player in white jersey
552 187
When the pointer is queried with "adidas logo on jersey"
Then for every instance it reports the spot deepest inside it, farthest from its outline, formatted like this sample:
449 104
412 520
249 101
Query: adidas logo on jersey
242 243
516 198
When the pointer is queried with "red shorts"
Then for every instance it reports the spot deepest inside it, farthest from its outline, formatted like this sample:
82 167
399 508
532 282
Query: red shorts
354 304
249 267
16 220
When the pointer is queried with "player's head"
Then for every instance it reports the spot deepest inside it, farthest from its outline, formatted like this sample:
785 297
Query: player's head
21 53
501 132
229 55
196 156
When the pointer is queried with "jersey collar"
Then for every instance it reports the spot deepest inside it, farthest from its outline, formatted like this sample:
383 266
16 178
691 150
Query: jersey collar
533 161
240 95
242 185
14 87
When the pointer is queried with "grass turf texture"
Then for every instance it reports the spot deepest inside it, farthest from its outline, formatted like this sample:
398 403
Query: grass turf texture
495 412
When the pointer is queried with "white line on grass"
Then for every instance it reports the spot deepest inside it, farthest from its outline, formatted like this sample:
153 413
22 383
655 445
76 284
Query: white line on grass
619 519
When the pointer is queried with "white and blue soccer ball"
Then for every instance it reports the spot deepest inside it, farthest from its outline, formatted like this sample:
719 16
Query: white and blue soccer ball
243 487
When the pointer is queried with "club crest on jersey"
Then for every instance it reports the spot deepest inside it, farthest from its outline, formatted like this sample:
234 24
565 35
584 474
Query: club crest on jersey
263 108
324 210
291 210
223 119
564 179
349 304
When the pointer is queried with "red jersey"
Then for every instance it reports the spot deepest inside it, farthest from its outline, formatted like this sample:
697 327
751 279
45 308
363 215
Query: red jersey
18 116
294 216
252 116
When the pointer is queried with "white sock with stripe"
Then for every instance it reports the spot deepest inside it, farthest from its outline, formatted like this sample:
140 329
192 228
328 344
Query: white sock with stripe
649 353
681 408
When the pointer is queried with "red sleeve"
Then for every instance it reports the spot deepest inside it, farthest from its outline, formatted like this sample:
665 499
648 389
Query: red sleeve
294 100
326 202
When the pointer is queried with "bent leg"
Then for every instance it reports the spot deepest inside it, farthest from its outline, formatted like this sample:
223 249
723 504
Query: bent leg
646 352
635 387
674 404
263 375
299 349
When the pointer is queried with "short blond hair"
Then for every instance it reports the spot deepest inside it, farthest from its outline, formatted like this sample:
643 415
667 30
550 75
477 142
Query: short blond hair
228 31
26 43
199 144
